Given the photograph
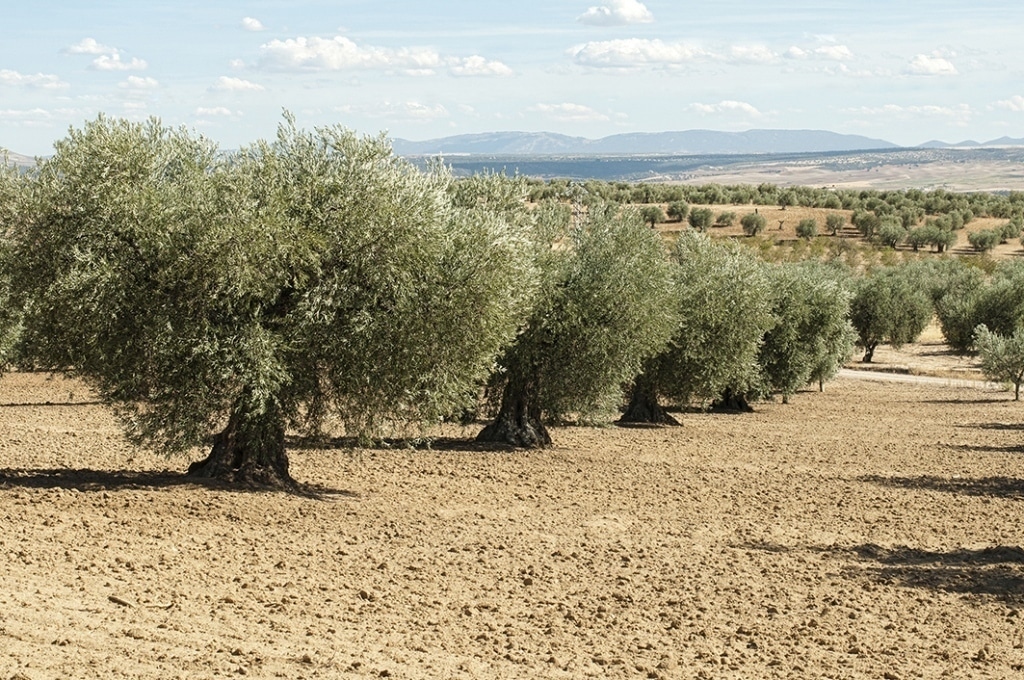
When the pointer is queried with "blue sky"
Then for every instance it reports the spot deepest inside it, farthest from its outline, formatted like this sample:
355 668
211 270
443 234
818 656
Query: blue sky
907 71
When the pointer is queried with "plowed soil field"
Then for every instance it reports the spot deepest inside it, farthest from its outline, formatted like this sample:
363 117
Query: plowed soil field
874 530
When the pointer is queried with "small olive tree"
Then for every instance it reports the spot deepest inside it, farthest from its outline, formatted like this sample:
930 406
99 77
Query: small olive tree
1002 357
701 218
889 305
238 295
753 224
603 308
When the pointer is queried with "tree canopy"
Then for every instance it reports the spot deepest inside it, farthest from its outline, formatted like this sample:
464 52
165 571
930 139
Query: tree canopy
603 308
720 294
313 275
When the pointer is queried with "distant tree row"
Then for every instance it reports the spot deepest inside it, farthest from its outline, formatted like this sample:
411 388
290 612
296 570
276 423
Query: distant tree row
909 207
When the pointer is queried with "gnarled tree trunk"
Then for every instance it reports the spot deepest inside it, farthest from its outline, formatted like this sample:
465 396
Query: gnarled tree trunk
643 405
249 451
519 419
869 352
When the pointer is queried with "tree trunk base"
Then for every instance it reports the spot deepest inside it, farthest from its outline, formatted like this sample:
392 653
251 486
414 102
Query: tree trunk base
249 455
523 433
733 402
643 409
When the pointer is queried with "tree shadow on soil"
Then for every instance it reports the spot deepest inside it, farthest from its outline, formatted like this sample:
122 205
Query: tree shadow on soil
957 400
999 487
88 480
985 448
994 572
398 444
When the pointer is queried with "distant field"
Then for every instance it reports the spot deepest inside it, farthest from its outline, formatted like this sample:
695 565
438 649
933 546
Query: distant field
989 169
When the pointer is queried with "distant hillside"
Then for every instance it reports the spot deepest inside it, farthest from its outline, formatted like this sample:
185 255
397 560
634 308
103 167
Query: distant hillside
20 160
684 142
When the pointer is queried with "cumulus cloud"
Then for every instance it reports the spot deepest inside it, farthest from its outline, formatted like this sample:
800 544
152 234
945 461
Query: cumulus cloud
726 106
478 66
113 62
250 24
1014 103
617 13
752 54
569 113
139 83
42 81
633 53
229 84
340 53
214 111
90 46
828 52
925 65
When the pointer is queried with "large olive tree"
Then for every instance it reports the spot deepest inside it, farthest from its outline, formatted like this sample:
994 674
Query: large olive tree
241 294
721 295
603 308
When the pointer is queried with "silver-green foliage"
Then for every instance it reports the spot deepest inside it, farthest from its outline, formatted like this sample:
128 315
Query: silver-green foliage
602 309
1002 357
812 336
13 191
308 276
890 305
722 298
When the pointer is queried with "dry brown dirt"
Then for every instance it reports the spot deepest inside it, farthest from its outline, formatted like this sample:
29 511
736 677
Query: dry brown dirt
870 531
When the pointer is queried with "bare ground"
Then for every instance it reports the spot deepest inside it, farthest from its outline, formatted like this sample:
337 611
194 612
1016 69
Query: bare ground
871 531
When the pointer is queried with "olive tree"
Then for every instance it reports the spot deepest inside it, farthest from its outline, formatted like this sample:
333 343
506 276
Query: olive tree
1002 357
812 336
238 295
721 296
701 218
603 308
889 305
753 223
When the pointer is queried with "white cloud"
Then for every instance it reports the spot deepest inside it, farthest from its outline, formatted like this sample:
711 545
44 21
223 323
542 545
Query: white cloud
214 111
229 84
478 66
830 52
1014 103
924 65
569 113
250 24
139 83
237 64
42 81
617 13
113 62
634 52
834 52
752 54
726 106
90 46
340 53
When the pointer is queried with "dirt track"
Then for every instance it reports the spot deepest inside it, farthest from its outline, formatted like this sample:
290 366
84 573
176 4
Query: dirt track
870 531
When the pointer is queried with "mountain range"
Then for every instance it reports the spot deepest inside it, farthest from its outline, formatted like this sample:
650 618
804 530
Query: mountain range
688 142
683 142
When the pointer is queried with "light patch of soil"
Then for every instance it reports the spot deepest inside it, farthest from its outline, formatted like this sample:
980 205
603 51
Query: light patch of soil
872 530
